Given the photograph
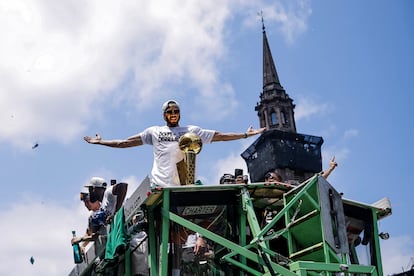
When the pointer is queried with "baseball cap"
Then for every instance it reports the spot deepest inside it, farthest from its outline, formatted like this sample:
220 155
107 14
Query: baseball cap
97 182
168 103
191 241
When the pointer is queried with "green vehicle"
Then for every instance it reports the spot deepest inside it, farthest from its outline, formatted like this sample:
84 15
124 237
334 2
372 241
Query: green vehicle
248 229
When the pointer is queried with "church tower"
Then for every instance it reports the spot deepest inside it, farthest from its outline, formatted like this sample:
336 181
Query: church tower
294 156
275 109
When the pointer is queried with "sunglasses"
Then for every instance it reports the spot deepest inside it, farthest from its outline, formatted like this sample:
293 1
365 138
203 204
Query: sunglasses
172 111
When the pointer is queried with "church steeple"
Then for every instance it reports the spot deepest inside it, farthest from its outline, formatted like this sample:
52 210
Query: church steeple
270 77
294 156
275 109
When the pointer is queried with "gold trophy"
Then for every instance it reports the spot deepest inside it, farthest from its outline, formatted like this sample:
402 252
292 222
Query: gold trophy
190 144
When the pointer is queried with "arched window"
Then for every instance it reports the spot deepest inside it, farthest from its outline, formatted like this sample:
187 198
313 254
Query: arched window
273 118
283 117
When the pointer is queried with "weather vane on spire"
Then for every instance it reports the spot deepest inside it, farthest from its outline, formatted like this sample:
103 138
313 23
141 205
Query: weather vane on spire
261 16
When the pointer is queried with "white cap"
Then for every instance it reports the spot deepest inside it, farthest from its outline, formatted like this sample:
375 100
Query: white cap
97 182
191 241
167 104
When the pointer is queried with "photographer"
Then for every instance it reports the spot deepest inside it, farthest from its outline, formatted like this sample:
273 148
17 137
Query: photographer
96 230
111 197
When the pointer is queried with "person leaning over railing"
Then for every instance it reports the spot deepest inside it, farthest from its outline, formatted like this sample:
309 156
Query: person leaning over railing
111 197
104 203
96 223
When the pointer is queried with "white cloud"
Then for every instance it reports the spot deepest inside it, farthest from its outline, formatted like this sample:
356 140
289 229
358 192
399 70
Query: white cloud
290 17
340 150
63 60
340 154
306 108
133 183
350 133
231 162
42 230
227 165
36 227
397 254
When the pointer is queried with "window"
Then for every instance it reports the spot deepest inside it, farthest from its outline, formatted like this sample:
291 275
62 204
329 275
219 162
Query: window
273 118
282 115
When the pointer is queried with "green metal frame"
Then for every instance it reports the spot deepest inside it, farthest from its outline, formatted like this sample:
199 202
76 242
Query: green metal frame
323 259
301 211
245 252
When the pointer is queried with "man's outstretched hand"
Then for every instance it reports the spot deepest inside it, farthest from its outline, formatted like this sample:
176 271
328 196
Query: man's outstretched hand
93 140
250 131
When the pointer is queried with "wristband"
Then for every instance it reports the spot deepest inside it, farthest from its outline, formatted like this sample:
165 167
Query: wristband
245 135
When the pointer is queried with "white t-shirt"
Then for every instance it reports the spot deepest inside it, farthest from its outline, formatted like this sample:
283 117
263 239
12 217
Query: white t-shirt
166 151
109 201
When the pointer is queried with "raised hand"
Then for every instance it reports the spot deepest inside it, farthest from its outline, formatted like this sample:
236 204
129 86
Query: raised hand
332 163
93 140
250 131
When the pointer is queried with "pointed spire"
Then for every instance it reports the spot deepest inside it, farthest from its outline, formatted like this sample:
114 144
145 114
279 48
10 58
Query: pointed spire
261 15
270 77
276 108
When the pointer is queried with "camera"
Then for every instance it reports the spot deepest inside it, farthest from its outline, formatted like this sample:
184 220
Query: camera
239 177
238 172
83 196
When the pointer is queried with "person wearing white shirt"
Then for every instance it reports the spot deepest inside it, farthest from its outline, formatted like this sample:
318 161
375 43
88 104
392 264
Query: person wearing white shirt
164 140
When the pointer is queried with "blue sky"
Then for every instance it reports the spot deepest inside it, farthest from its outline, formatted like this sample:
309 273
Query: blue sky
72 69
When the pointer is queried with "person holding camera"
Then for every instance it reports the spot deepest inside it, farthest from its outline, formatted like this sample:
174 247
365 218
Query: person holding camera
111 197
103 203
237 178
164 140
96 223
